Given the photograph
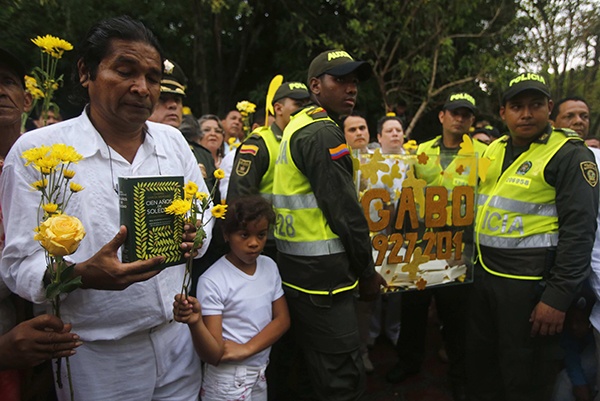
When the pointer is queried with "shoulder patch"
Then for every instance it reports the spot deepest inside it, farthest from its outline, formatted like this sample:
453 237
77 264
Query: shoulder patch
339 151
568 132
590 172
317 112
249 150
242 167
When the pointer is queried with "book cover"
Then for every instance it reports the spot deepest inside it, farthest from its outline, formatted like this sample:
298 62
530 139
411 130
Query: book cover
150 231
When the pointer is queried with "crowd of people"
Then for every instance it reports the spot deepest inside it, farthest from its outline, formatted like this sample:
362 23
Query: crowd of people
286 297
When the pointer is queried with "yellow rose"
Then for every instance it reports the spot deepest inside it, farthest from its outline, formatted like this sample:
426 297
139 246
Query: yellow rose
60 235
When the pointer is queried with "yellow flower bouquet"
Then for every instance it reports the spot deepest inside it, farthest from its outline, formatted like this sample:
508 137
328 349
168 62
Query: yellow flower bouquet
246 109
58 233
43 82
191 209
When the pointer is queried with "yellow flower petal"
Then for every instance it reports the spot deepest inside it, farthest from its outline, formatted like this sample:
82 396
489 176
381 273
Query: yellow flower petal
52 45
179 207
50 208
219 174
219 211
74 187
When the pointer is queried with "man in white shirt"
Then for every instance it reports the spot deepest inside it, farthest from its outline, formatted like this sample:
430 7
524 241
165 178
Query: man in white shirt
132 350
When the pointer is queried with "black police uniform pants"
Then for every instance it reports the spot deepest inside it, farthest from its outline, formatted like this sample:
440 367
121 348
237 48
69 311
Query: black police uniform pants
504 363
451 306
320 354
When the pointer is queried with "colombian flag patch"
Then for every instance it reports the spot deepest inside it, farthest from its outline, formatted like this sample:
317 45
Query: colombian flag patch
339 151
249 149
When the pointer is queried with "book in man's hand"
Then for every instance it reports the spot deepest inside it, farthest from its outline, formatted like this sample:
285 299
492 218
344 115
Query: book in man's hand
150 231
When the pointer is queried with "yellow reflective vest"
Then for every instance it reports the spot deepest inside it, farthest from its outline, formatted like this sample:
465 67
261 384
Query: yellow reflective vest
272 144
301 227
516 208
432 171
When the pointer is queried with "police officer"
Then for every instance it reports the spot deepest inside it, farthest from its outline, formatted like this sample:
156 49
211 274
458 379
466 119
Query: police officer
456 117
172 91
534 233
322 235
254 165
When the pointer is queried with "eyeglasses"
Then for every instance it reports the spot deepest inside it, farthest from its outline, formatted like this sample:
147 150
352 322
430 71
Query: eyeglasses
208 129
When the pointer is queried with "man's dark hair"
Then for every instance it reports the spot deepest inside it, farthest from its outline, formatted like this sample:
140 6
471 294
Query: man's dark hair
557 105
96 45
354 113
385 119
244 210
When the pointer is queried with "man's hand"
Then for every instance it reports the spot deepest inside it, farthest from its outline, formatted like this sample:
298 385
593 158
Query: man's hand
370 287
34 341
546 320
104 270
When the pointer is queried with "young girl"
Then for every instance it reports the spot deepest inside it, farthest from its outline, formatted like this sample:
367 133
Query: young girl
241 310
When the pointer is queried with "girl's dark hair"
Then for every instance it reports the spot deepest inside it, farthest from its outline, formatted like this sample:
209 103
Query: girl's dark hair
96 45
245 209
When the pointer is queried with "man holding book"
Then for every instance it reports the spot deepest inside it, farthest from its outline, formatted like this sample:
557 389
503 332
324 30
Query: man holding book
132 349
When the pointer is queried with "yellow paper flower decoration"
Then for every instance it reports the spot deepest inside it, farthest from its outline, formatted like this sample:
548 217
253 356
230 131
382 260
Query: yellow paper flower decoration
52 45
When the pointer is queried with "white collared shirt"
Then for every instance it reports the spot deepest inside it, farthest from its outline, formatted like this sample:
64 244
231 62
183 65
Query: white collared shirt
95 314
595 276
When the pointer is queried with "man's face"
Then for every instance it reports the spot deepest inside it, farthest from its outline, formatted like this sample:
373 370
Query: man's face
356 132
13 98
456 122
337 95
593 143
285 107
168 111
526 116
126 87
233 125
51 118
574 114
391 137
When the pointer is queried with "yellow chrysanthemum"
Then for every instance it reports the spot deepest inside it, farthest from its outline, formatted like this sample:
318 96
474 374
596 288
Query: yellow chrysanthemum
32 87
179 207
47 164
219 174
50 208
65 153
52 45
219 211
34 154
190 189
68 174
246 107
40 184
201 196
74 187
